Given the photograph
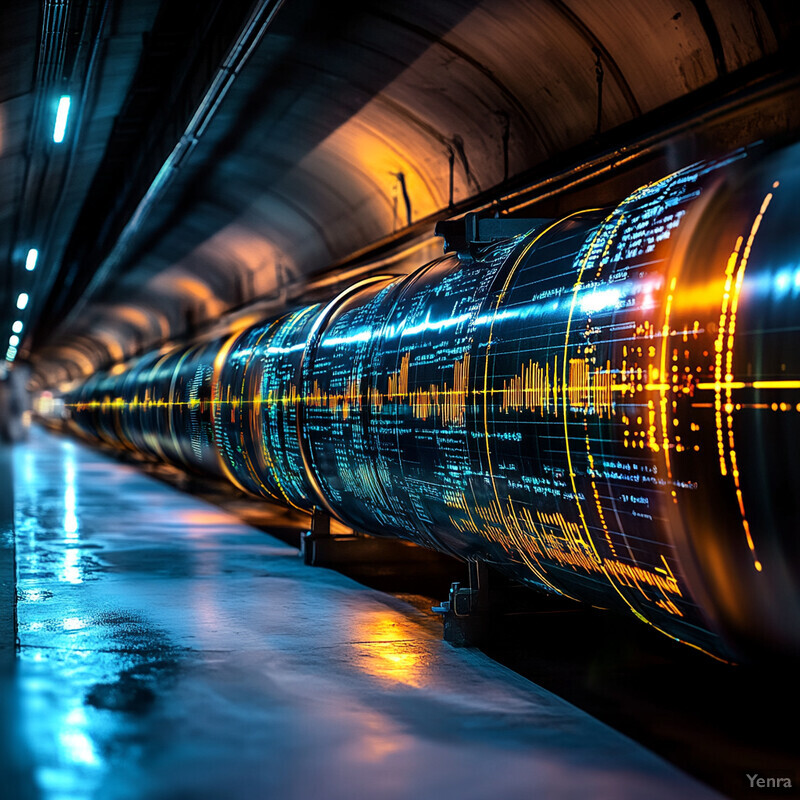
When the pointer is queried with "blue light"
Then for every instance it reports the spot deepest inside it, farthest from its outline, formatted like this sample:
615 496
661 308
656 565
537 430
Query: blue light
61 119
30 261
22 300
782 282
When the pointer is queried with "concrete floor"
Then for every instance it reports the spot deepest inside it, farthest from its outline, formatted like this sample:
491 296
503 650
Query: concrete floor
166 650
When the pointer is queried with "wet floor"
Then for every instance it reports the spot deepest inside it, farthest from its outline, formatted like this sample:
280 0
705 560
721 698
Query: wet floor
169 651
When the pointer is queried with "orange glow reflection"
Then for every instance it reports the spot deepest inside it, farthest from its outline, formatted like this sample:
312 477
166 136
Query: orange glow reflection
203 517
111 344
380 739
378 159
83 362
389 647
143 319
189 286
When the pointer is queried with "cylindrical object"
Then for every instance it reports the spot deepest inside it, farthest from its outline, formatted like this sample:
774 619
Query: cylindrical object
604 407
256 418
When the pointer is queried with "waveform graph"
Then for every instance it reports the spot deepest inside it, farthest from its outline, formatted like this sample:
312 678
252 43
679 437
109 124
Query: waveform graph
604 407
194 390
275 395
583 376
425 371
256 410
335 401
157 405
239 380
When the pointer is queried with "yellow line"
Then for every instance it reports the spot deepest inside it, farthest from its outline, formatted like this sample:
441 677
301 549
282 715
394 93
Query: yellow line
720 385
775 384
656 387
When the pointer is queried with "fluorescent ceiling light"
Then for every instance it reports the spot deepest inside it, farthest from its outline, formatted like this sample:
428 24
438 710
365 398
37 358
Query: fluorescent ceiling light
22 300
61 119
17 326
30 261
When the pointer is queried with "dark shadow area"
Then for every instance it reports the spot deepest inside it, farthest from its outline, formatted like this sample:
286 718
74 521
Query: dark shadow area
716 721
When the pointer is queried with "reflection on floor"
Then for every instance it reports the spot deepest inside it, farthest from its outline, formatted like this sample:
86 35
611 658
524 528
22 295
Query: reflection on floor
168 650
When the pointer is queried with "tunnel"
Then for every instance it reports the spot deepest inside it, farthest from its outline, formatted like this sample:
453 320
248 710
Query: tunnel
400 398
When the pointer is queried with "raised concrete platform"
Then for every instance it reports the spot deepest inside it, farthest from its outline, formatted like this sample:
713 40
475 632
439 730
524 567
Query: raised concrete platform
170 651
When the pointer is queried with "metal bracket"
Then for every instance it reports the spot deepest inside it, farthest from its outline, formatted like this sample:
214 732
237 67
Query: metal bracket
359 554
465 613
319 534
468 234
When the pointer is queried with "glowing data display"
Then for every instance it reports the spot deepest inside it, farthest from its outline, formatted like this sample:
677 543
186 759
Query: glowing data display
605 407
257 409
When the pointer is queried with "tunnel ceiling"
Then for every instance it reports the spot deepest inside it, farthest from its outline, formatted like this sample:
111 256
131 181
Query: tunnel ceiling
216 156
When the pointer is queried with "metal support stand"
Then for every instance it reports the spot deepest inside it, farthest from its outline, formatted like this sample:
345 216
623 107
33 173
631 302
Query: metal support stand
465 613
317 541
368 557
